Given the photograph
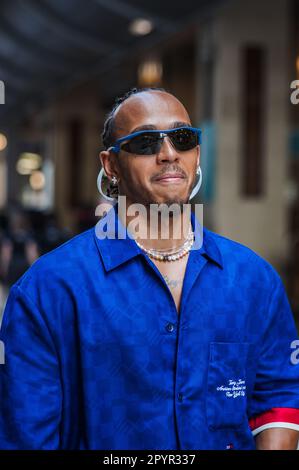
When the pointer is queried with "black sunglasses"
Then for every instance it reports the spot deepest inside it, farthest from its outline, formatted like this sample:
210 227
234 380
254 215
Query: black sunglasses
149 142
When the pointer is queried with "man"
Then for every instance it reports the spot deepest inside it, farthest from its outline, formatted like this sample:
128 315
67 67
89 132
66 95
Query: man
116 343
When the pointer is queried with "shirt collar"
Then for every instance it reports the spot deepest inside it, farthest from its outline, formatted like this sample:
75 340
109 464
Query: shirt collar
117 247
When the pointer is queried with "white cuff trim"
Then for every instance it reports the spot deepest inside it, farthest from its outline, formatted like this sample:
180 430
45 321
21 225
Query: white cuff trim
275 425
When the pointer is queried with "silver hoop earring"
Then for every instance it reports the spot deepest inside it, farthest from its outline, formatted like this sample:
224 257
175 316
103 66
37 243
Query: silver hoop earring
99 185
198 184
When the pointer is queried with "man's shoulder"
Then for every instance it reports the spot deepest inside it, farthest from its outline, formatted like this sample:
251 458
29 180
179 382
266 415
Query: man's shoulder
63 261
237 256
229 246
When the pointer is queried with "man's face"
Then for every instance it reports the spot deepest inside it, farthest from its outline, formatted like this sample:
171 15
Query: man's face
168 176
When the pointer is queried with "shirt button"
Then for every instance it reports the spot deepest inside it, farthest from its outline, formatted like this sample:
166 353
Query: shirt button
170 327
180 397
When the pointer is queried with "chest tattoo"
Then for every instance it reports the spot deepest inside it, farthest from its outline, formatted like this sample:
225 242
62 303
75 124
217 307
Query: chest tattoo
172 283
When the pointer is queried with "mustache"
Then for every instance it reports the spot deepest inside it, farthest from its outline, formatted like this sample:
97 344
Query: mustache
170 169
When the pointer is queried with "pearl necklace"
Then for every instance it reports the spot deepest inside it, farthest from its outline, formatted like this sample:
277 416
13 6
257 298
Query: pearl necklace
170 255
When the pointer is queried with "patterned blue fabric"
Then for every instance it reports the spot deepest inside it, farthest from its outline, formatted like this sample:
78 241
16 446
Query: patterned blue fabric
97 356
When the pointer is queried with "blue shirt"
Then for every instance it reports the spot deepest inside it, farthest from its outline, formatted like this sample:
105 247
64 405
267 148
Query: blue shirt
97 356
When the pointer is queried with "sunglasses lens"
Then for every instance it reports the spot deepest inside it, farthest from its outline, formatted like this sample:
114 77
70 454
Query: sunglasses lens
149 143
184 139
143 144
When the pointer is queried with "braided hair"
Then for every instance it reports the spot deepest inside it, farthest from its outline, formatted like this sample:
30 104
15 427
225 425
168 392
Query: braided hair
108 131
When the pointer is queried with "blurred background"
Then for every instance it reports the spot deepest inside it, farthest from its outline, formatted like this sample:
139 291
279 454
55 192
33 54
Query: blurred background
231 62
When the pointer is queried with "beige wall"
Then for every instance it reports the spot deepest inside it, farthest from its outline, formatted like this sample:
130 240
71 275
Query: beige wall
259 223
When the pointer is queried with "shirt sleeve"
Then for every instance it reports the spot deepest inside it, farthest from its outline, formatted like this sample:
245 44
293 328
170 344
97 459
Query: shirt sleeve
275 397
275 418
30 390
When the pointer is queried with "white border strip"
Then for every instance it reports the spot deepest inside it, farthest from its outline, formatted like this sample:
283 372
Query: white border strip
275 425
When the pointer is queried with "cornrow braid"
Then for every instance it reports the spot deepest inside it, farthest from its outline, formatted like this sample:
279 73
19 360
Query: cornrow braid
108 130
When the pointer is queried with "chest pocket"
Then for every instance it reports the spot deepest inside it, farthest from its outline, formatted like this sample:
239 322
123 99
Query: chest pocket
226 398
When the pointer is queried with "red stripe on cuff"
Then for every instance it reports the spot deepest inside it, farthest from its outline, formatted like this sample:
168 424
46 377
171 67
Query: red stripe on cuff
275 415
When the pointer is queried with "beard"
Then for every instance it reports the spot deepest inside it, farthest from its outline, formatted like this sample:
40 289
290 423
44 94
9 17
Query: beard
177 200
176 203
146 197
169 202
